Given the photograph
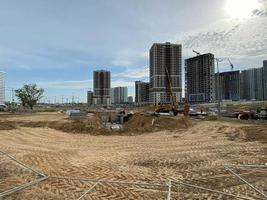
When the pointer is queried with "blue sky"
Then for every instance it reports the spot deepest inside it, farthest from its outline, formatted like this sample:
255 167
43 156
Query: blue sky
57 44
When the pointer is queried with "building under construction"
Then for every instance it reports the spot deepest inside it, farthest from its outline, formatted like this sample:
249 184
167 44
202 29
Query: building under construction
227 85
199 78
165 73
102 88
141 92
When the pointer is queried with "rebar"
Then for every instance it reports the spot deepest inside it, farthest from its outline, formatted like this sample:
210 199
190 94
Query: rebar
210 190
246 182
88 191
22 187
22 164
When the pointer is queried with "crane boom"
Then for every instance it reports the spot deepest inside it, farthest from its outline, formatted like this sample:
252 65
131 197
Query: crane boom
231 64
170 87
196 52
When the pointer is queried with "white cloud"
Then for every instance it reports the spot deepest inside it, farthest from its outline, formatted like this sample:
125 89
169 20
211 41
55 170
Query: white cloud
80 84
243 41
122 82
129 58
136 73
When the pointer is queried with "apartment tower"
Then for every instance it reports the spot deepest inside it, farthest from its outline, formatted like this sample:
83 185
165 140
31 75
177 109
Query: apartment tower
119 95
228 85
264 79
141 92
101 95
165 61
199 78
90 95
252 84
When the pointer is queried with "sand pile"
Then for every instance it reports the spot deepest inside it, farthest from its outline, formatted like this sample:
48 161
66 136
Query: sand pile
142 123
256 133
91 125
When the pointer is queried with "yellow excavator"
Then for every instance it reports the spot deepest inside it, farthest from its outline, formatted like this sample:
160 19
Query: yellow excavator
171 108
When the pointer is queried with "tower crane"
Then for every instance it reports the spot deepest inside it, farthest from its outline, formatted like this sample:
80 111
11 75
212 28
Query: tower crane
198 53
231 64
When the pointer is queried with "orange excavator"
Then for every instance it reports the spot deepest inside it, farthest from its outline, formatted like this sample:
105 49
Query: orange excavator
171 108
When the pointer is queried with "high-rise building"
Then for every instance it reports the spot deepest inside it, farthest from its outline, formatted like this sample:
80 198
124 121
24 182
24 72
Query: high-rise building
228 85
90 95
119 95
102 84
165 59
141 92
252 84
264 79
130 99
2 87
199 78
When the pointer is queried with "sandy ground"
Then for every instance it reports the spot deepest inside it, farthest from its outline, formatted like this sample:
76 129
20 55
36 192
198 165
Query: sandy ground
195 155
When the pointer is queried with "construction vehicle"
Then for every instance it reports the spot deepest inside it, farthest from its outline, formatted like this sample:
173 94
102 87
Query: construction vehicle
171 108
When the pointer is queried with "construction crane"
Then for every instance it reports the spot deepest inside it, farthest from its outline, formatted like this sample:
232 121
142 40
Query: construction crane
198 54
173 108
231 64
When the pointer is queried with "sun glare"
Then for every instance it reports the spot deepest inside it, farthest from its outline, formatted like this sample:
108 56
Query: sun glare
241 8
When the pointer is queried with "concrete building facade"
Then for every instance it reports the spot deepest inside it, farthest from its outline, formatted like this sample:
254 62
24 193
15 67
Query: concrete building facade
102 82
228 85
199 78
165 58
252 84
2 87
119 95
141 92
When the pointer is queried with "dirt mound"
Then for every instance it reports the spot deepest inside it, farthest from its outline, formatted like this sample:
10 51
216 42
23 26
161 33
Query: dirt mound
142 123
7 125
256 133
90 126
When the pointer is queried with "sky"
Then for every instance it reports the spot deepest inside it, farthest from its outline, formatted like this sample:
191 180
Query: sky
58 44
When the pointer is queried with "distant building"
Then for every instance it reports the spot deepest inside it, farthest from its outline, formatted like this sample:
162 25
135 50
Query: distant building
228 85
252 84
165 58
141 92
199 78
264 79
112 95
130 99
2 87
119 95
102 84
90 98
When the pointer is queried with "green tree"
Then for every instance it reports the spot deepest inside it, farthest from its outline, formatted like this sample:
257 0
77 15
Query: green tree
29 95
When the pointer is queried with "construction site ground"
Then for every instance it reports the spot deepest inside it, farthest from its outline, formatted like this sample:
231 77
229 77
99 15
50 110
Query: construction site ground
192 150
